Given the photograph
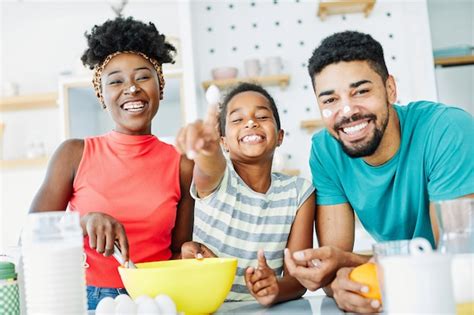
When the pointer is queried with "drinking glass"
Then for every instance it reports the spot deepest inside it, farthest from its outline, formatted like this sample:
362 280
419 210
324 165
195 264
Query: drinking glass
414 279
456 224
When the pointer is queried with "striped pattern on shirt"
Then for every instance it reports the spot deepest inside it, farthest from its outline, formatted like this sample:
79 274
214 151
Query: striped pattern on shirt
235 221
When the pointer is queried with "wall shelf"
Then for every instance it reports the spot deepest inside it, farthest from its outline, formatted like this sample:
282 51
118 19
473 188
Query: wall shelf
24 102
312 124
281 80
454 61
331 7
22 163
291 172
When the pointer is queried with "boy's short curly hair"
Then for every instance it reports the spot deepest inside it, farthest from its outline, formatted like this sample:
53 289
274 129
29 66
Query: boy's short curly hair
245 87
126 34
348 46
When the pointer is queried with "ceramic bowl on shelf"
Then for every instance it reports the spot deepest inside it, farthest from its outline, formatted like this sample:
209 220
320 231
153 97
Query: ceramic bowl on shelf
196 286
222 73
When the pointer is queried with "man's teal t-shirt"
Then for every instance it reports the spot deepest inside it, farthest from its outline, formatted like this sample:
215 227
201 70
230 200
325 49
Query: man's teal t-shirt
434 162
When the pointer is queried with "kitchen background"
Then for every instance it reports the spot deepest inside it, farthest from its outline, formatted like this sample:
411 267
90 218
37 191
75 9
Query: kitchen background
46 96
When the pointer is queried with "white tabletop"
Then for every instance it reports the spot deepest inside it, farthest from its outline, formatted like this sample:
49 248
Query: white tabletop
307 305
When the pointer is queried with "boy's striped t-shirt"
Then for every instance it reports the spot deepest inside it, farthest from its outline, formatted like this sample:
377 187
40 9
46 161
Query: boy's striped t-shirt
235 221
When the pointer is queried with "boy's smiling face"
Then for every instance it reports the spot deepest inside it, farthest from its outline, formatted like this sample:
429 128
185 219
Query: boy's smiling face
251 131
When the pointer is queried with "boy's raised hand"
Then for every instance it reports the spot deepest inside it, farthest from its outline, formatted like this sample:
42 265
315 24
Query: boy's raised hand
200 137
262 281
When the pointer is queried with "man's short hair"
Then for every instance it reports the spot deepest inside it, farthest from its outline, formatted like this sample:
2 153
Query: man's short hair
348 46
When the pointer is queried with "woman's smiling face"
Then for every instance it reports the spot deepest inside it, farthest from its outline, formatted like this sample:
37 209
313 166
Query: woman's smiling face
251 130
132 109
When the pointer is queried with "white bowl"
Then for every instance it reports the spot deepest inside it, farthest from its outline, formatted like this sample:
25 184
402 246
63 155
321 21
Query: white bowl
223 73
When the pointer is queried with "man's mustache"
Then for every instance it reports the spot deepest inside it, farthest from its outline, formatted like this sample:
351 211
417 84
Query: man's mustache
355 117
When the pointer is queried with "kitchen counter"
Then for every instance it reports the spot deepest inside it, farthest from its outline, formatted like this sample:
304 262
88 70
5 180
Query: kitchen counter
319 304
308 305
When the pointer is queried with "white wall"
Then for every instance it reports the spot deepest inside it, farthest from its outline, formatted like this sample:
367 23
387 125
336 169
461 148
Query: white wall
452 23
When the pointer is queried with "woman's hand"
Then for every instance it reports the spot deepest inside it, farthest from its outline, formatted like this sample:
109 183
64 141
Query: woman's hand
103 230
197 250
262 281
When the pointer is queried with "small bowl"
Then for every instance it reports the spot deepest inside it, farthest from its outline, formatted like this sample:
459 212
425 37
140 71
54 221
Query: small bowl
196 286
223 73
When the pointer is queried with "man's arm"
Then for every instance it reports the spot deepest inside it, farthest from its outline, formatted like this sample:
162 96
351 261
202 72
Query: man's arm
335 227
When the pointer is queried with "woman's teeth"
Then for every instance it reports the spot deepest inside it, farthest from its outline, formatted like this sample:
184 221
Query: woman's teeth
133 106
356 128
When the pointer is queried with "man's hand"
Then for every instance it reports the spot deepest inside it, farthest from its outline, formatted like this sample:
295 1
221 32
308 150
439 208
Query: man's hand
345 292
314 268
197 250
262 281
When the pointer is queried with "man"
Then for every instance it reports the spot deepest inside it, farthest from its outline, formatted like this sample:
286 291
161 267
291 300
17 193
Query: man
386 163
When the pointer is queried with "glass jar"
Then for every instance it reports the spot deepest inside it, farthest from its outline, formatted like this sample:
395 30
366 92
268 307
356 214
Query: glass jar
9 295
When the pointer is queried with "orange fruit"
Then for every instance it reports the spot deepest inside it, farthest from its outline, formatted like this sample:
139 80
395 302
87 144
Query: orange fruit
367 274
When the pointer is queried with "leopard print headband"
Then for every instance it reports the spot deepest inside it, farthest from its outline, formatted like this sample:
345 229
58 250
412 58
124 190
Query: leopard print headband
97 77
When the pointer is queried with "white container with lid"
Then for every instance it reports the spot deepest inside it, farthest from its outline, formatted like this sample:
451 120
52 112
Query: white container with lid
52 249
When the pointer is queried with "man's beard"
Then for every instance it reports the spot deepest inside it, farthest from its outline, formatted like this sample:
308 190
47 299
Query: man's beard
368 147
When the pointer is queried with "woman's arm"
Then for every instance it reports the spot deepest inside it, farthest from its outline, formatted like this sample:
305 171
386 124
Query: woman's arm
183 228
56 189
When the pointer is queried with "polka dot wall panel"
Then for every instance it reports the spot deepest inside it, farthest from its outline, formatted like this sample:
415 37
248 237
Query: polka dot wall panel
227 33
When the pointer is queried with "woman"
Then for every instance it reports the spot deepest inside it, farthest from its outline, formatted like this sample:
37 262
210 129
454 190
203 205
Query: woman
128 186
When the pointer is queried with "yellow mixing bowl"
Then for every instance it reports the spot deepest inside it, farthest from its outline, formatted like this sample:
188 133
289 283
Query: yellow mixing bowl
196 286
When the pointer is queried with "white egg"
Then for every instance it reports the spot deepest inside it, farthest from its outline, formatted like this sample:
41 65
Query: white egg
213 95
106 306
124 305
139 299
121 297
166 304
147 305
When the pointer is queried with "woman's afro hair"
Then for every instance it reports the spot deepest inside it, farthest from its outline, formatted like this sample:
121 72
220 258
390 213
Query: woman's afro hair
126 34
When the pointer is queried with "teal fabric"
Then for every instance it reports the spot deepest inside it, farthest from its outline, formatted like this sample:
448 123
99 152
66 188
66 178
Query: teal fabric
435 161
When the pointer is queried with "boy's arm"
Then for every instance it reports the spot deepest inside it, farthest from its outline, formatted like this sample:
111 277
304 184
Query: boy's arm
316 268
200 142
301 237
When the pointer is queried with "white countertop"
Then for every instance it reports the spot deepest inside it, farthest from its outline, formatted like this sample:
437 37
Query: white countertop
307 305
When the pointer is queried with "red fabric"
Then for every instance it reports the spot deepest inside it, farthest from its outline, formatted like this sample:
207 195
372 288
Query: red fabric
135 179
